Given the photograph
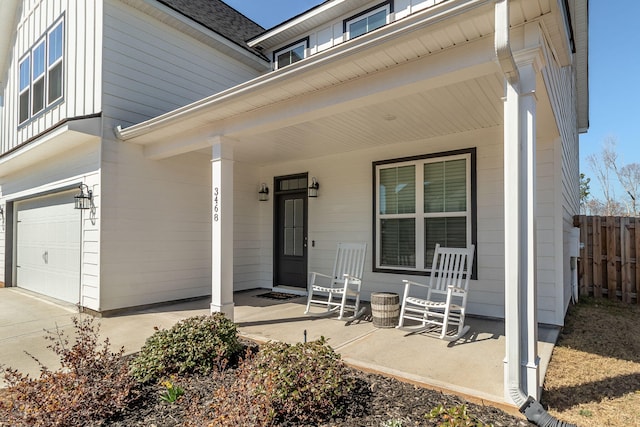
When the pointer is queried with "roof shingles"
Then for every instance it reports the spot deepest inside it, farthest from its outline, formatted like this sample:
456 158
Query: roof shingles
219 17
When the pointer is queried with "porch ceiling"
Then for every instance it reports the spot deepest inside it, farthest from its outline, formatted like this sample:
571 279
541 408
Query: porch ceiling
424 76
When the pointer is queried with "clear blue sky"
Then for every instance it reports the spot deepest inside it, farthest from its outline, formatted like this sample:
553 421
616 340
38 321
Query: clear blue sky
614 69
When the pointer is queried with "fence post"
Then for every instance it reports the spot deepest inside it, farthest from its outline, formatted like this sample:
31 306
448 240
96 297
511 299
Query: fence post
625 259
597 256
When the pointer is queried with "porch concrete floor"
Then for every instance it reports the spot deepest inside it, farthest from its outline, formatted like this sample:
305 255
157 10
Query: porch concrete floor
471 366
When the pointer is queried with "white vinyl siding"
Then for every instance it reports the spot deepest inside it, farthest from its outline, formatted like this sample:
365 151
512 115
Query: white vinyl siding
151 68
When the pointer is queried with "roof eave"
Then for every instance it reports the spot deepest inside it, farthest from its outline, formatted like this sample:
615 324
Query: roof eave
581 34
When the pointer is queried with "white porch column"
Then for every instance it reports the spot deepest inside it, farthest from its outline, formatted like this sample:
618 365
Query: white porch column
222 227
521 323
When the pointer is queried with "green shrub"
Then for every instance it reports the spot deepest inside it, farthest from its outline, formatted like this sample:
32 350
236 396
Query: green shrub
304 382
93 383
193 345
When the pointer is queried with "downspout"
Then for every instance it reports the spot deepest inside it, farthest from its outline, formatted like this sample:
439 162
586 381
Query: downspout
528 405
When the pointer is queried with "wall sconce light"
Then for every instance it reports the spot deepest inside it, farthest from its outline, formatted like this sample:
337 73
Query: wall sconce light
2 216
313 188
83 200
263 193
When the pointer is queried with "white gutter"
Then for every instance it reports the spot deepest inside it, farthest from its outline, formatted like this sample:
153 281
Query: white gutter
513 315
514 229
325 58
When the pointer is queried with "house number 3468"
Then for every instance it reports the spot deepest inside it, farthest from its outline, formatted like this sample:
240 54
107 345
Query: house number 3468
216 204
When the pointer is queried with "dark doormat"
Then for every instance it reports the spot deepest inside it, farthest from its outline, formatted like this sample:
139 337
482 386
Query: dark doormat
278 295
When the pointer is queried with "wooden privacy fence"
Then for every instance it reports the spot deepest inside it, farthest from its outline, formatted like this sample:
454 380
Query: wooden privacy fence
609 264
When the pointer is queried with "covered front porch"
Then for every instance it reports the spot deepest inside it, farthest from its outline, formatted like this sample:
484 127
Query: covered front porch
401 96
471 367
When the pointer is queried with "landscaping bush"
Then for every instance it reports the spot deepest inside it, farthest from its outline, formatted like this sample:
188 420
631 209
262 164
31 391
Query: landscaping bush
304 382
193 345
93 383
241 402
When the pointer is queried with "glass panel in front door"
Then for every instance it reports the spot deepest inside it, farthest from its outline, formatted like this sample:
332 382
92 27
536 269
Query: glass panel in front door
294 227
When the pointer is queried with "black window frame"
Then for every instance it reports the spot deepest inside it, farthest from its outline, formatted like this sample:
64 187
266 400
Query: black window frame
472 153
44 79
345 22
290 47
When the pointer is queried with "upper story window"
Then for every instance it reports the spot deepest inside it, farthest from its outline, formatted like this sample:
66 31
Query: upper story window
40 74
291 53
368 20
421 202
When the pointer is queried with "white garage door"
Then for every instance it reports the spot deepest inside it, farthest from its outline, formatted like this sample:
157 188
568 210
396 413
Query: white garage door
48 246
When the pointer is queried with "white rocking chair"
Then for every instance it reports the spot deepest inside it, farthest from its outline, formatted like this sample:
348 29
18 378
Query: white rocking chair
344 283
445 300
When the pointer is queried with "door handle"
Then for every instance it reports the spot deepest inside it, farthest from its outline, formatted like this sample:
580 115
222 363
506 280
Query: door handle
45 257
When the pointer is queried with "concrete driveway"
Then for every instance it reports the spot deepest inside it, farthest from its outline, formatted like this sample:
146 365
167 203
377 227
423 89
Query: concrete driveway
24 316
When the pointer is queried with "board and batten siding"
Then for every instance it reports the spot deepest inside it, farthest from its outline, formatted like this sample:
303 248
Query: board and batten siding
151 68
332 33
82 66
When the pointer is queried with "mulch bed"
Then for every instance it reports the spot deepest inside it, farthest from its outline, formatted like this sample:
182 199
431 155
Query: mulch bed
377 400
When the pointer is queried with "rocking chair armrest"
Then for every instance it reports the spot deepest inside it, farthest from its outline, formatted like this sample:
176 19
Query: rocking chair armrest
315 273
456 290
351 278
411 283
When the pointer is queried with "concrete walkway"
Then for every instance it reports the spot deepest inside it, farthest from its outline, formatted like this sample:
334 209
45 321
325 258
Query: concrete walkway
472 366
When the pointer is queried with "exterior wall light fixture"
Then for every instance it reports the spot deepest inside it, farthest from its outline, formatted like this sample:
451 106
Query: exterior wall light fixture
263 193
313 188
83 199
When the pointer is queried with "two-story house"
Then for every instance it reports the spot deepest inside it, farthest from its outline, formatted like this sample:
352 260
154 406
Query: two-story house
215 156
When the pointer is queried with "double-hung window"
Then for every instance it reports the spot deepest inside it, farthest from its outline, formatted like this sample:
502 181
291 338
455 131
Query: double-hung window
421 202
290 54
24 96
368 20
41 74
56 44
38 57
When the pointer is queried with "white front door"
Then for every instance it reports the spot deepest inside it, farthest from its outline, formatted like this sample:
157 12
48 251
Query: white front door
48 246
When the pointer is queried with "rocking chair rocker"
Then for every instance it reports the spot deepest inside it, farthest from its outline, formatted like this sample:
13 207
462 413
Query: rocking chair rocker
445 300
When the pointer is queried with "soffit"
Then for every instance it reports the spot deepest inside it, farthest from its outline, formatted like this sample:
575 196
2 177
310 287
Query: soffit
437 104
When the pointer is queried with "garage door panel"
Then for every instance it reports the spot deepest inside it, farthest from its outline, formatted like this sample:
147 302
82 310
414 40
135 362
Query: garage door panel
48 246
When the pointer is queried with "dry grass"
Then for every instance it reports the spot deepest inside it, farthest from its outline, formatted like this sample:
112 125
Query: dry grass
594 374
